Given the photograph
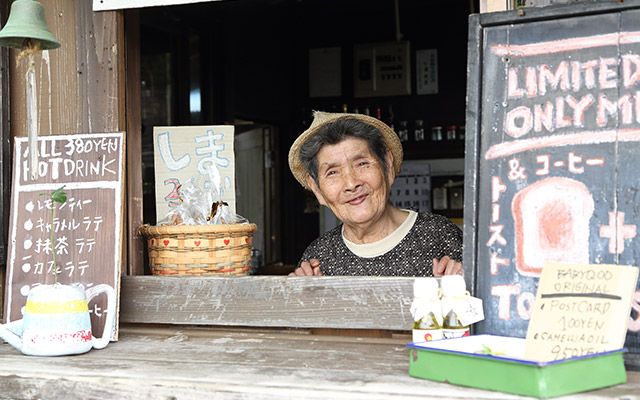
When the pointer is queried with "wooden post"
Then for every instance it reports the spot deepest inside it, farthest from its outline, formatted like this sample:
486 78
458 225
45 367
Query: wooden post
134 144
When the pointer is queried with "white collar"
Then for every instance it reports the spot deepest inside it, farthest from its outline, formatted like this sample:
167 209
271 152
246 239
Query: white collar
375 249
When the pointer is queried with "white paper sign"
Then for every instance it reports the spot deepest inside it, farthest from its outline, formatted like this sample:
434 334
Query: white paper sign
427 71
183 152
580 310
104 5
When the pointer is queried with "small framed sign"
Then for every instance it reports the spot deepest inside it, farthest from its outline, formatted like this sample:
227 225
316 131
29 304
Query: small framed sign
580 310
185 152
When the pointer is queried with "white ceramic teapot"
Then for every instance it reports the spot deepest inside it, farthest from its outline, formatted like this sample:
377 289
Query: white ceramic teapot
56 321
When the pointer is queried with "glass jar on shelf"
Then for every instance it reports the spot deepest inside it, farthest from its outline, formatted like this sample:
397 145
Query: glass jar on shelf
403 131
451 132
418 132
436 134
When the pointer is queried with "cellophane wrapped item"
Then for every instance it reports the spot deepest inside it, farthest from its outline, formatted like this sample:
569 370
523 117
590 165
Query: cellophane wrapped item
201 203
201 236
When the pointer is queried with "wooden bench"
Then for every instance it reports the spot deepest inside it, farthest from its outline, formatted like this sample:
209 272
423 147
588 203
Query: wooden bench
230 338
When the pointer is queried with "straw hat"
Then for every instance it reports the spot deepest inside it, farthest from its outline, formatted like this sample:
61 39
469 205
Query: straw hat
321 118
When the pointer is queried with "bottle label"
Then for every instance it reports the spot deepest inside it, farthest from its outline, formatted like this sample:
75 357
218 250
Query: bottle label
427 335
455 333
468 309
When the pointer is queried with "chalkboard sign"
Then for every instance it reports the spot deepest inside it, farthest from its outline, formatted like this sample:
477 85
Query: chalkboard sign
553 117
86 228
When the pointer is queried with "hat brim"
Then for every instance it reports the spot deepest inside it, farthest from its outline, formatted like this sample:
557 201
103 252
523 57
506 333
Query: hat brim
390 138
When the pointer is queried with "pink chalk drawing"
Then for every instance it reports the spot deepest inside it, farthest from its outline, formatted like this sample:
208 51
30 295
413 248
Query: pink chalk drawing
564 45
551 224
617 232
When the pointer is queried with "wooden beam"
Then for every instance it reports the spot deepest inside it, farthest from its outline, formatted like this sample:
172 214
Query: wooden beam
270 301
5 155
134 144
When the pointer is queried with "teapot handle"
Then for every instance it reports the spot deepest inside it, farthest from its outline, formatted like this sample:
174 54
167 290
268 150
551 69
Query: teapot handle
92 292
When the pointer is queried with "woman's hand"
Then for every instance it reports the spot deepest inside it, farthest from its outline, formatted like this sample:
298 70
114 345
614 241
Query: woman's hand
446 266
308 268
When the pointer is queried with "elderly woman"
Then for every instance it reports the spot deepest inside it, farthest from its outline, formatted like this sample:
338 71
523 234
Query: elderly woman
350 161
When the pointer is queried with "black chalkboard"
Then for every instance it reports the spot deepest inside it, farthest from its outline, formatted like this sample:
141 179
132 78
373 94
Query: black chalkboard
553 122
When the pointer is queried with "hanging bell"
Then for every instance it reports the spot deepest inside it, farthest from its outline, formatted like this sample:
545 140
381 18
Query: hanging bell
27 22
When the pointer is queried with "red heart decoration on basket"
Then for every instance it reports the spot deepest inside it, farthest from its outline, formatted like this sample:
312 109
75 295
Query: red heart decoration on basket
166 242
196 242
226 241
246 240
152 241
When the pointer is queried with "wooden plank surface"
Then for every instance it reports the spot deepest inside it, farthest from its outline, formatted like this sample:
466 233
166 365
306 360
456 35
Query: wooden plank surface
78 84
134 194
270 301
183 363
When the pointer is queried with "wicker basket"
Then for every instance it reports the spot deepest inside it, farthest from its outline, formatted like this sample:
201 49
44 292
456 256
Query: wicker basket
191 250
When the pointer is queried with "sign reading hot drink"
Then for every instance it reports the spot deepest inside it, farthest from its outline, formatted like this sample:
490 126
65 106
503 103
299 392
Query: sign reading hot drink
85 234
555 174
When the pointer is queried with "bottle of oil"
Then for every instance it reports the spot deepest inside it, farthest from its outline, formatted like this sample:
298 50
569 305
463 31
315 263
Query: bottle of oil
426 310
454 300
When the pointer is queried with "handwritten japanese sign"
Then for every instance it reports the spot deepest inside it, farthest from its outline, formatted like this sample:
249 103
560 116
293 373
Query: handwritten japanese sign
185 152
580 310
86 229
553 156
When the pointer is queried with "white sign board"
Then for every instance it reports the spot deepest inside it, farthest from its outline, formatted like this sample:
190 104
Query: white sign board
104 5
185 152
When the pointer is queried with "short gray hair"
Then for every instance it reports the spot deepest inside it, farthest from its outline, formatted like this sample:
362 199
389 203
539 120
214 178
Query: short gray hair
335 132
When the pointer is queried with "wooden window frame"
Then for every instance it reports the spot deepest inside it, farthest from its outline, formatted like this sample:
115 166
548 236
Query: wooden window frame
135 242
380 303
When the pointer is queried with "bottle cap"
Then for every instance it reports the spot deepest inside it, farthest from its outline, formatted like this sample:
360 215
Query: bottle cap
425 287
453 285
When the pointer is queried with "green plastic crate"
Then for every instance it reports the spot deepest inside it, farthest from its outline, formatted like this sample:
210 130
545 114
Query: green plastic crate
456 361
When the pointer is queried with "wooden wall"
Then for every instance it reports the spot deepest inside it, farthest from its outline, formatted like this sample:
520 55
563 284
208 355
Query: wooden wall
80 86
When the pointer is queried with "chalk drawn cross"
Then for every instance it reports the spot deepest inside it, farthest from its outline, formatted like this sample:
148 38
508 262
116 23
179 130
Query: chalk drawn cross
616 224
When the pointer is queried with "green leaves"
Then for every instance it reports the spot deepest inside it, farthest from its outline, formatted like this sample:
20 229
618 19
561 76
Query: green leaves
486 350
57 195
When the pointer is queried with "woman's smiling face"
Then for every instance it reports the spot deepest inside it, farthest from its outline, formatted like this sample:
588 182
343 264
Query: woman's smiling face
352 183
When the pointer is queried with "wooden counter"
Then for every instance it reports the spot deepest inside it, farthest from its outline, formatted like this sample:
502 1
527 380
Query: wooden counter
176 362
